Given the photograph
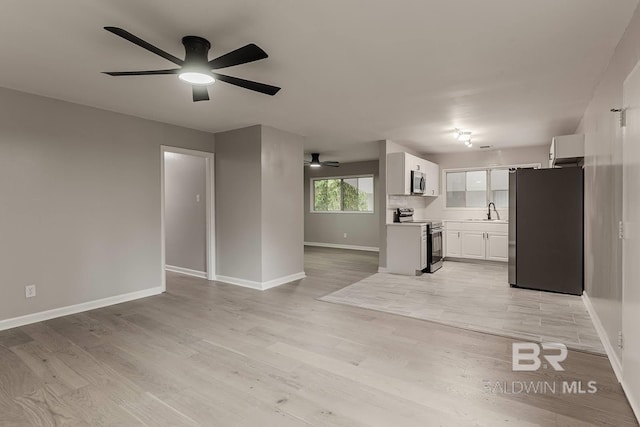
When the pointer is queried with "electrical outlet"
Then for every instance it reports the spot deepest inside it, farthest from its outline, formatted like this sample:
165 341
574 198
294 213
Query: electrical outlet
345 235
198 198
30 291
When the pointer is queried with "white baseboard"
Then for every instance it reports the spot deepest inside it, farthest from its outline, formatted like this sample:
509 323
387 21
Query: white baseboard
613 357
76 308
282 280
336 246
383 270
632 400
261 286
187 271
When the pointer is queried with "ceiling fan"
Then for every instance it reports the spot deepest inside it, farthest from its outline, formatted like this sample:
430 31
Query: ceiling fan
196 68
316 163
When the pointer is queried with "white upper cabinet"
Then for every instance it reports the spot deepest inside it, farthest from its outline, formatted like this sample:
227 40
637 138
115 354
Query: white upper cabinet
566 149
399 167
432 172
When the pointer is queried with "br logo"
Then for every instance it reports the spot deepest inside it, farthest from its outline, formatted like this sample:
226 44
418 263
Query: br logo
526 355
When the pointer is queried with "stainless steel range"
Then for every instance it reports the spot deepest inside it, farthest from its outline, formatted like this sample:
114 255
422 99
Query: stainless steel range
435 228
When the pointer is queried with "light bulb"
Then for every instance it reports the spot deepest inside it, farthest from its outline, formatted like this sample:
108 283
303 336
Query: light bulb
196 78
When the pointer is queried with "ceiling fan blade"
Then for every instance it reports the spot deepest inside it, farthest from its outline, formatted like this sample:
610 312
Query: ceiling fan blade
141 73
248 53
200 93
331 164
248 84
143 44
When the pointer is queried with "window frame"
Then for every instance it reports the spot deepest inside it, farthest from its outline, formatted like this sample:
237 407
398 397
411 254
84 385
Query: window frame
487 170
341 177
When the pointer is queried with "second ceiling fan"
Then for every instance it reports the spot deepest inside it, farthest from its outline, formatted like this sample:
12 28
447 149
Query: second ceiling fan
316 163
196 68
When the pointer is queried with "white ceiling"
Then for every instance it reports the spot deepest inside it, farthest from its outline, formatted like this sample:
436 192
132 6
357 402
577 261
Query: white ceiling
515 72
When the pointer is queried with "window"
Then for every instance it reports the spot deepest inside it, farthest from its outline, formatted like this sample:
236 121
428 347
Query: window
346 194
476 188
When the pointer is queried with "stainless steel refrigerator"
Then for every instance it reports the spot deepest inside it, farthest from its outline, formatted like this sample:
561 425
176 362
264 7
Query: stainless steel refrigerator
546 229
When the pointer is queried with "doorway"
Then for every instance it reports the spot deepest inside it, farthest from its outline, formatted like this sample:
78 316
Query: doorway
187 213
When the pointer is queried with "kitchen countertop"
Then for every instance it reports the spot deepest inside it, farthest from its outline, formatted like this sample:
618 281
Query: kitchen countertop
404 224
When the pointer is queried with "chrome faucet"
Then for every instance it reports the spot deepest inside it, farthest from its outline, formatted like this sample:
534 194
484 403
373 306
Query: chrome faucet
489 211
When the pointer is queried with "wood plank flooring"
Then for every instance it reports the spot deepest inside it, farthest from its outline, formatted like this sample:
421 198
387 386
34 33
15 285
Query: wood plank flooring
213 354
477 296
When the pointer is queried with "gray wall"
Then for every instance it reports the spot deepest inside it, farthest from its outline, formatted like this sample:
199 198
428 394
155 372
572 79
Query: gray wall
603 185
79 201
238 200
185 215
362 228
282 217
259 219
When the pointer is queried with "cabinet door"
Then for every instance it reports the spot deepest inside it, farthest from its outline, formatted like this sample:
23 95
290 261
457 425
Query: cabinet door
423 249
498 246
432 172
473 244
435 179
453 243
398 174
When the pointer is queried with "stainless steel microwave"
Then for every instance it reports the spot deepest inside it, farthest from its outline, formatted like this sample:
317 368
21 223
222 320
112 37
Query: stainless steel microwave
418 182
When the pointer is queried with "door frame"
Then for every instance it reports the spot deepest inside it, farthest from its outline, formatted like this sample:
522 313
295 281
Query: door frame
210 208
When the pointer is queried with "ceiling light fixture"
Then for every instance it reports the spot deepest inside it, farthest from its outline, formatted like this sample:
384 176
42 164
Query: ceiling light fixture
463 136
468 143
315 160
196 76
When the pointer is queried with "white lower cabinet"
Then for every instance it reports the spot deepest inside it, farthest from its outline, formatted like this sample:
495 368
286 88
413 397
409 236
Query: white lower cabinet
477 240
406 248
452 243
497 246
473 244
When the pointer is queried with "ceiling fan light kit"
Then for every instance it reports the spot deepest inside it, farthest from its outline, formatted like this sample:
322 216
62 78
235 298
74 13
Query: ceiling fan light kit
196 68
316 163
196 78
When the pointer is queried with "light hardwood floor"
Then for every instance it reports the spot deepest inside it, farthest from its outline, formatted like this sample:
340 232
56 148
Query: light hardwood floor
477 296
219 355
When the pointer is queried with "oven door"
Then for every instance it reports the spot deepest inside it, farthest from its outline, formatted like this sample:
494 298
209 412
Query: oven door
418 182
435 251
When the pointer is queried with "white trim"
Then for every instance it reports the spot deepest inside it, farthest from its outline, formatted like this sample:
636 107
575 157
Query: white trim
613 357
632 400
187 271
337 246
261 286
77 308
383 270
283 280
210 215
